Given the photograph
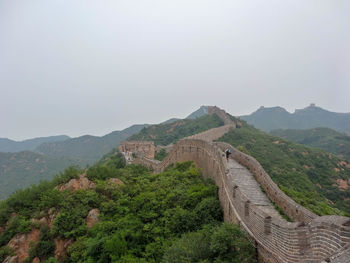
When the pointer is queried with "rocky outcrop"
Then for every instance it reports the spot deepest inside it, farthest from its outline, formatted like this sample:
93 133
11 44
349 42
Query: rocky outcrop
92 218
10 259
115 181
83 183
21 244
61 247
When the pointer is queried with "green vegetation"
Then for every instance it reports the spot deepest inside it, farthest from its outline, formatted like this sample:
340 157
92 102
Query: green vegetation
164 134
54 154
44 248
4 252
220 243
160 155
149 218
307 175
20 170
323 138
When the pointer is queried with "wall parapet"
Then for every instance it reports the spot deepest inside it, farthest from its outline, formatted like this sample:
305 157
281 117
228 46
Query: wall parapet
292 209
312 239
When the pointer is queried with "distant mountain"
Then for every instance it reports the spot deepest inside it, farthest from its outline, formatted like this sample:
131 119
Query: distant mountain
268 119
7 145
203 110
323 138
170 121
87 147
20 170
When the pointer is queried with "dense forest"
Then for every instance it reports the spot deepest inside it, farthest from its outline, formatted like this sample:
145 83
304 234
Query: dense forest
174 216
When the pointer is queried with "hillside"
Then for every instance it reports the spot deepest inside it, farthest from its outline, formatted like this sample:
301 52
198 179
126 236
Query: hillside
121 214
7 145
318 180
89 148
268 119
167 133
20 170
323 138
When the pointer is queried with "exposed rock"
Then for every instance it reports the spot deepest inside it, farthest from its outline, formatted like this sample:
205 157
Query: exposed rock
36 260
345 164
115 181
10 259
20 243
92 217
43 221
342 184
52 213
77 184
61 247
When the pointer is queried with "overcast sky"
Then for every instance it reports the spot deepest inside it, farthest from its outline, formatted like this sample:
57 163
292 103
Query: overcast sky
91 67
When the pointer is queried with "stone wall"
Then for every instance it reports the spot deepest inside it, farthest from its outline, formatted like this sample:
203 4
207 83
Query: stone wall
295 211
143 148
311 240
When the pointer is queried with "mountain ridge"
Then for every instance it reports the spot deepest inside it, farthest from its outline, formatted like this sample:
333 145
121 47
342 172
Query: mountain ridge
8 145
273 118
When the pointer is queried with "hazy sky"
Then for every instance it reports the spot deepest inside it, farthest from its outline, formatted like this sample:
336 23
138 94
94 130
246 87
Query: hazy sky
91 67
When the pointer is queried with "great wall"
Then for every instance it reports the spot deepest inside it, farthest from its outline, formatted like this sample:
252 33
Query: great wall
309 238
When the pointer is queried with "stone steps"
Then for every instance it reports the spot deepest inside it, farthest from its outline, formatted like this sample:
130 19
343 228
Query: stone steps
247 184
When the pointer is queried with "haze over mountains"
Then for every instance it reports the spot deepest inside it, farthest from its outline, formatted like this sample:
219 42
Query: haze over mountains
28 162
268 119
7 145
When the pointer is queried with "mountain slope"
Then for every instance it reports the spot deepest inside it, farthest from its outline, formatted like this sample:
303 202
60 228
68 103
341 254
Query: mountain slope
22 169
323 138
7 145
164 134
90 148
268 119
117 214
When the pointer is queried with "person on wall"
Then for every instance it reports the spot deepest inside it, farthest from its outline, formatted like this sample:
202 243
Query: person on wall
227 153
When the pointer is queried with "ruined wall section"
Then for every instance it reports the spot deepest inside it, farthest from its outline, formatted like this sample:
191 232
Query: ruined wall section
221 114
276 240
143 148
